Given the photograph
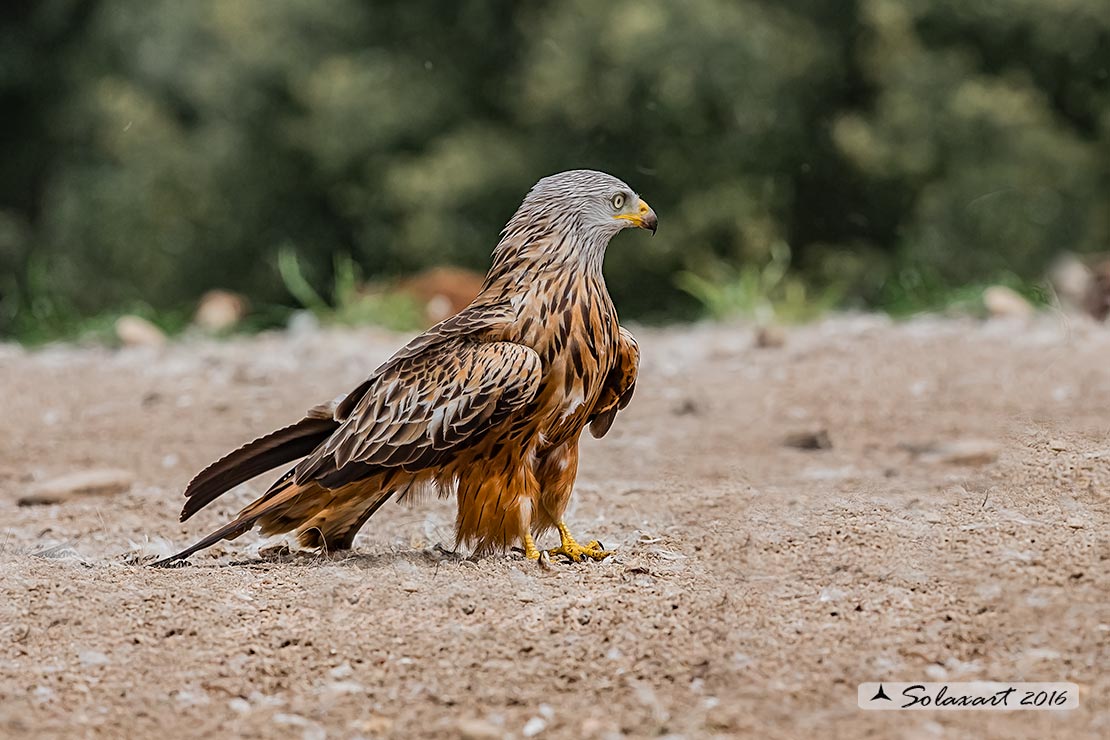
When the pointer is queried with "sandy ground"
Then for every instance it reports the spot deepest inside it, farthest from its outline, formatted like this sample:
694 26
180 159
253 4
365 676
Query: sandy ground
955 530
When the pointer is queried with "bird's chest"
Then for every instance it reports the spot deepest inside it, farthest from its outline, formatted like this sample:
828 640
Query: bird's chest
578 349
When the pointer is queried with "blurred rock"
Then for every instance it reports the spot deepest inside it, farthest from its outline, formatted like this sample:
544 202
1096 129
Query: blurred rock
1096 302
767 337
533 727
86 483
478 729
1003 302
134 331
817 439
375 726
958 452
442 291
92 658
1082 286
686 407
1072 280
303 323
342 671
220 310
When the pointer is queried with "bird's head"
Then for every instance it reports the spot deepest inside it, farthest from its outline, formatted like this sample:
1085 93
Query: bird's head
589 201
569 218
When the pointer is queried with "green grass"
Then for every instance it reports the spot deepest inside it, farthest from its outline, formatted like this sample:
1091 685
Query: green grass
911 292
767 293
56 324
352 302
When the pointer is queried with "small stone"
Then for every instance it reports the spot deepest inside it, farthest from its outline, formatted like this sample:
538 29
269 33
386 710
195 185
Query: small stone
1076 523
972 452
1003 302
310 730
936 672
88 483
478 729
187 698
534 727
341 671
220 310
303 323
346 687
135 331
92 658
44 694
817 439
375 726
770 337
1057 446
686 407
1072 281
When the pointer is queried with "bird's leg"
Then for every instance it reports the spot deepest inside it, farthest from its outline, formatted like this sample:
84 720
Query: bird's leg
530 551
571 549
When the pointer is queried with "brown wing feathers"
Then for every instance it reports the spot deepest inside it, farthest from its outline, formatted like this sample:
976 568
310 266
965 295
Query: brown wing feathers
412 414
265 453
426 407
620 384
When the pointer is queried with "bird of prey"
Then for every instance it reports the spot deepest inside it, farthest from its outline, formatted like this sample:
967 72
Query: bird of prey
488 404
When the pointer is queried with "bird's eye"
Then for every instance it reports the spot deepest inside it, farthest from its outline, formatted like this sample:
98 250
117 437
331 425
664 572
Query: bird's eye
618 201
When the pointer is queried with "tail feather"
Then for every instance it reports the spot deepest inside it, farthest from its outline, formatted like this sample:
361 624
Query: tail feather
244 521
265 453
323 516
229 531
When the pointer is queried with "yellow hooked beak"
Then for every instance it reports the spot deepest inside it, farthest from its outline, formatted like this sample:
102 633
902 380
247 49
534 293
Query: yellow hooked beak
642 218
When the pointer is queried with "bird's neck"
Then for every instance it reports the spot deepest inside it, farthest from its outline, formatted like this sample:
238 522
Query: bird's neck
540 285
541 251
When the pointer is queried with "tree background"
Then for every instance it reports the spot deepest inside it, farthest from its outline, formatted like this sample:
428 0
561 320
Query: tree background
889 150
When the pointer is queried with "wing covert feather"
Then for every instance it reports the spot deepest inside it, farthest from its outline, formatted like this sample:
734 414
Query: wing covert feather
421 408
619 385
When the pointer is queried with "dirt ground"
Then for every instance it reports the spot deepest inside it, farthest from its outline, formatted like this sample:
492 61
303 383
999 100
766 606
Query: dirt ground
956 529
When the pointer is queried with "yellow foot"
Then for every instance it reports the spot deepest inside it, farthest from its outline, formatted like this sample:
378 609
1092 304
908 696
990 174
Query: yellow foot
571 549
530 551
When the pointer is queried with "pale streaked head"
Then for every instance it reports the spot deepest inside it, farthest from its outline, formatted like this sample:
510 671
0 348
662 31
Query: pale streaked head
598 202
569 218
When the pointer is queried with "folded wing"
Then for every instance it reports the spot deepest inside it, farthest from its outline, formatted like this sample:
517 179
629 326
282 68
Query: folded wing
619 386
423 408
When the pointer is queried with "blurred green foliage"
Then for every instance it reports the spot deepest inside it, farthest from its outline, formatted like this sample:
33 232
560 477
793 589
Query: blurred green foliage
153 149
352 302
768 293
